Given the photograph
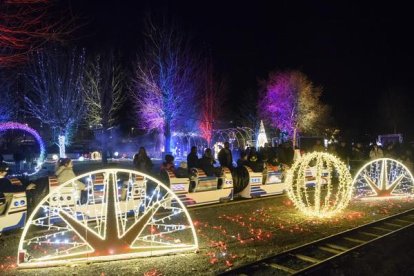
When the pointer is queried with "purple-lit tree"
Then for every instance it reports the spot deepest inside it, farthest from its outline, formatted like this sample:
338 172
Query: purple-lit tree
212 97
56 98
291 103
164 85
103 95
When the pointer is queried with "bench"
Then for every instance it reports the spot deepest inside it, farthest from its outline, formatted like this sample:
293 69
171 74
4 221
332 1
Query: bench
260 186
14 211
202 189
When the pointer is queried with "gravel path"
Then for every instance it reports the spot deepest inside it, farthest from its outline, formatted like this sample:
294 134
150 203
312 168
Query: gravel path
229 235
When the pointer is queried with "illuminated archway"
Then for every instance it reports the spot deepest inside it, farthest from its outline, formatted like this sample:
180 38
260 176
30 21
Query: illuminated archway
319 184
127 214
13 125
383 178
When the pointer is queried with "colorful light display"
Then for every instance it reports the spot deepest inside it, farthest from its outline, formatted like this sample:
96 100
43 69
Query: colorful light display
330 190
290 102
13 125
125 214
383 178
261 137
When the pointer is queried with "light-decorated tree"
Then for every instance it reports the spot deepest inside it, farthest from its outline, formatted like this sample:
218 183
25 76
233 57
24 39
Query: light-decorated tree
26 25
212 98
103 92
8 106
56 96
165 80
291 103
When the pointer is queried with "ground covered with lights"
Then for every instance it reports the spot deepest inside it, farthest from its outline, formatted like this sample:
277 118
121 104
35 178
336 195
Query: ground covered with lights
230 235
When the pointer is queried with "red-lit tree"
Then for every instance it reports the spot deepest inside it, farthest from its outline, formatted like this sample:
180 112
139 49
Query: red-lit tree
212 101
26 25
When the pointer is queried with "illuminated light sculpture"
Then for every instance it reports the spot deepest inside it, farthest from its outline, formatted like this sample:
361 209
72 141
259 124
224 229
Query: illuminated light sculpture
261 137
13 125
383 178
238 137
127 214
331 188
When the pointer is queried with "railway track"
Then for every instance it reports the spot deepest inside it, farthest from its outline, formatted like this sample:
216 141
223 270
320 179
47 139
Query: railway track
234 201
314 255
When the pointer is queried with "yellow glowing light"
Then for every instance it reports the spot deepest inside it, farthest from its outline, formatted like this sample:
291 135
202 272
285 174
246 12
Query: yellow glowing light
319 184
149 220
383 178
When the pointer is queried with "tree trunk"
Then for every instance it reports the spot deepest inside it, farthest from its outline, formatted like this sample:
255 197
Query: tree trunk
104 146
62 148
167 134
294 138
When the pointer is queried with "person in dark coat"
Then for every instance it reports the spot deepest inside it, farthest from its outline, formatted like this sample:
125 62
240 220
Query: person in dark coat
192 158
206 163
142 162
168 164
225 156
182 170
243 159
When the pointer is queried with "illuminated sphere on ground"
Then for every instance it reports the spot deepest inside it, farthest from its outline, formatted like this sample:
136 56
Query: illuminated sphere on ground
319 184
383 178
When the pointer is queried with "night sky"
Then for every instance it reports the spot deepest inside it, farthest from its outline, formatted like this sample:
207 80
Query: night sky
358 53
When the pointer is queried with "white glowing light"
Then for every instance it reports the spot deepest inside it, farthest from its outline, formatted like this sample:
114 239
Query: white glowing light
261 137
81 158
383 178
115 223
55 157
331 188
116 154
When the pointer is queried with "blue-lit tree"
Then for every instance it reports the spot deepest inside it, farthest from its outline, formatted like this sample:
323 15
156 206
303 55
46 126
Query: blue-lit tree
56 96
165 81
103 94
8 102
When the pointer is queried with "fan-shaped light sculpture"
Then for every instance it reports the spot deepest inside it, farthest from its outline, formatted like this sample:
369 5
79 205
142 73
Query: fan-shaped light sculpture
319 184
383 178
122 214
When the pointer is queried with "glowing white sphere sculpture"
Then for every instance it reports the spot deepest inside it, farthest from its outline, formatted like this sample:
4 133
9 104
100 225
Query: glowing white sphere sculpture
319 184
383 178
122 214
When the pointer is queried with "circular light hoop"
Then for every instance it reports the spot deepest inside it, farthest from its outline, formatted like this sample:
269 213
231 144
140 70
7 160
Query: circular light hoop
383 178
112 228
311 187
13 125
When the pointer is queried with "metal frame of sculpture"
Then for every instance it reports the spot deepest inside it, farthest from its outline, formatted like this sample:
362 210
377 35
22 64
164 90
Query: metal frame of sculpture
383 178
13 125
125 214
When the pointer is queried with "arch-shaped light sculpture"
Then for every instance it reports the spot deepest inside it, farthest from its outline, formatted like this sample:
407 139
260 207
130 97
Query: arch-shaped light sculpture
126 214
319 184
13 125
383 178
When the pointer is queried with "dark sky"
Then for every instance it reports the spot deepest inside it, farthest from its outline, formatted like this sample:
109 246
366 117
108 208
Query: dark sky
356 52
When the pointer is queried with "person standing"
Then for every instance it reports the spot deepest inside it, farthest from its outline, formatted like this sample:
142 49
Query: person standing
192 158
225 156
376 152
142 162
